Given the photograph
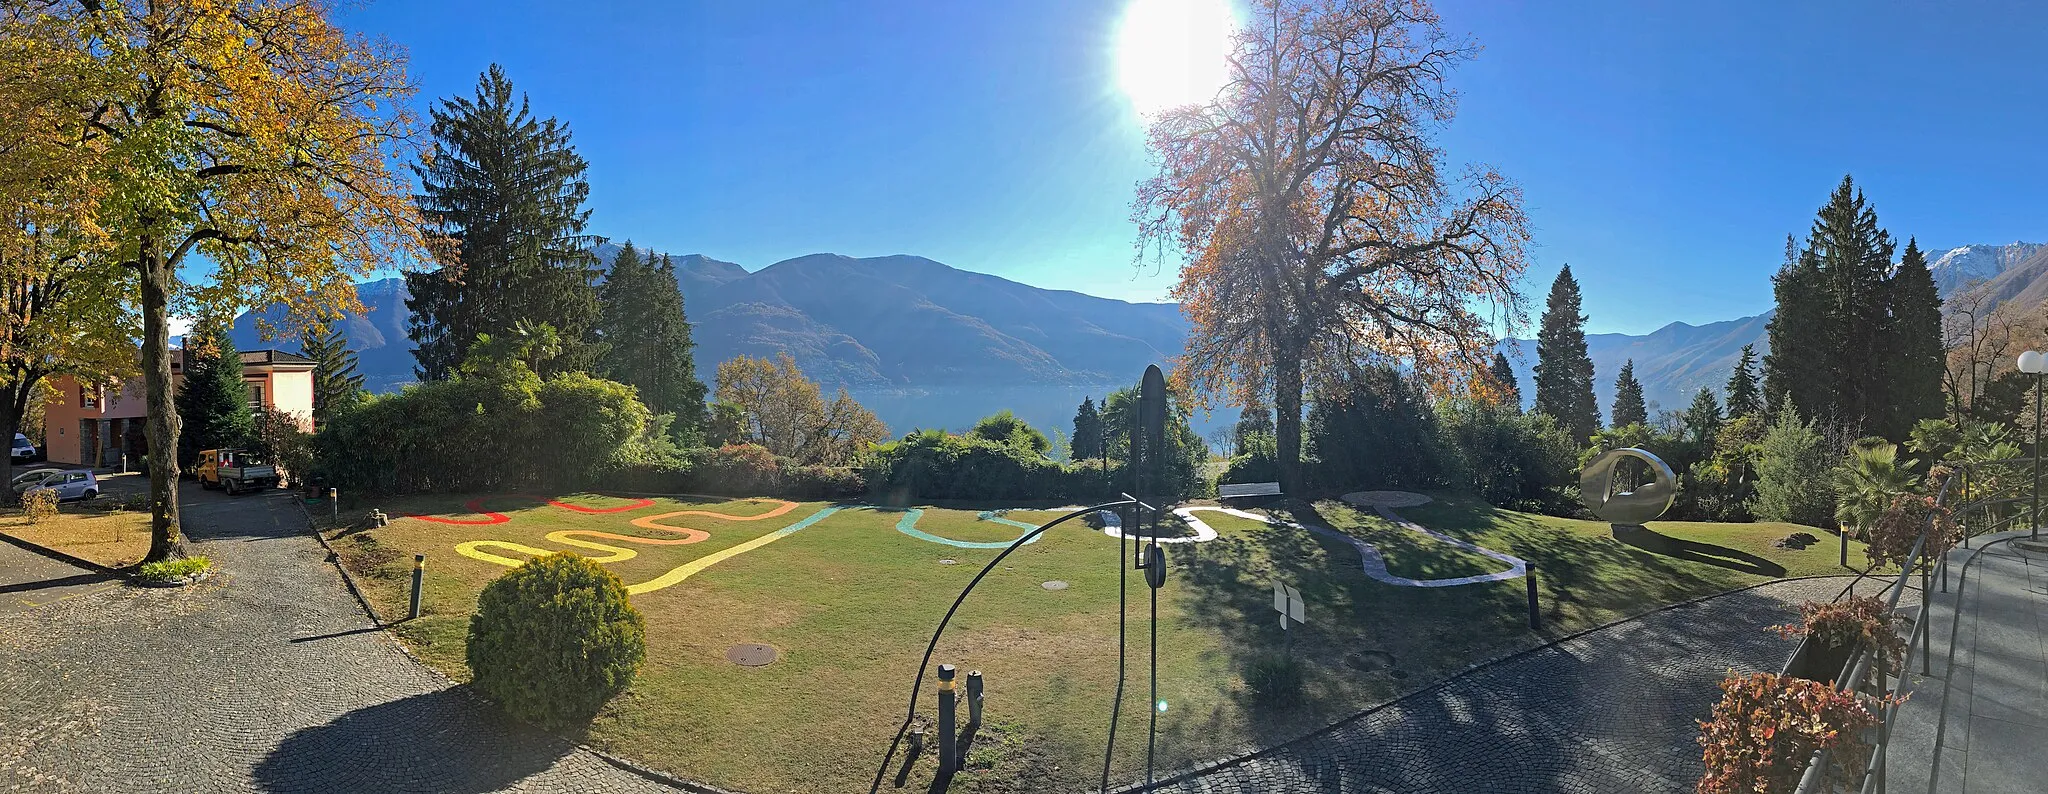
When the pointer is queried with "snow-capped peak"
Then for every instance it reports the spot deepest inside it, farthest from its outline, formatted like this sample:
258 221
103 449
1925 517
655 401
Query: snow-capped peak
1959 267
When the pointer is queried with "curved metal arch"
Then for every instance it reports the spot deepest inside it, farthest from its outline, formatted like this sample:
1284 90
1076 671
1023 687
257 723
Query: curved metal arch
1644 504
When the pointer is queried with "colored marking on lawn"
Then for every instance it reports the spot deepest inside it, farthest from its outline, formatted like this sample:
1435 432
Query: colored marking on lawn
632 505
693 567
654 522
908 526
475 506
1369 558
1113 526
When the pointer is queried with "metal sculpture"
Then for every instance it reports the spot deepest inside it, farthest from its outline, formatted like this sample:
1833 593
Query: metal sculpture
1642 504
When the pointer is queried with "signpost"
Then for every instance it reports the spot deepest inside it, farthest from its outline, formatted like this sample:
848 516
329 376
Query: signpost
1287 601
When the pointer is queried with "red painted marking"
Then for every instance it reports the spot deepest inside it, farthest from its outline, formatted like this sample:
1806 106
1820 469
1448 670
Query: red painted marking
633 505
475 506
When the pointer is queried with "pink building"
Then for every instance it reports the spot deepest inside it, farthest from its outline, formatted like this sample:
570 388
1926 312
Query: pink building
98 425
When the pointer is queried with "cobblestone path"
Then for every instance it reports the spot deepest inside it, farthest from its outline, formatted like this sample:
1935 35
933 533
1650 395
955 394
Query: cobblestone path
266 678
1610 711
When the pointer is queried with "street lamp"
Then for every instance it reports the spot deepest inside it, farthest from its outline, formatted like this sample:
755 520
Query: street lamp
2034 363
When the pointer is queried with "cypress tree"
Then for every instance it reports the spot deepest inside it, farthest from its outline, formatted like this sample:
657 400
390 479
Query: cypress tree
1504 375
1087 441
646 335
213 401
336 383
502 195
1744 399
1629 408
1564 373
1913 354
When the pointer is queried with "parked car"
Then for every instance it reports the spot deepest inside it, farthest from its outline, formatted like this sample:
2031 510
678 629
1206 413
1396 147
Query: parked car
23 451
33 477
69 485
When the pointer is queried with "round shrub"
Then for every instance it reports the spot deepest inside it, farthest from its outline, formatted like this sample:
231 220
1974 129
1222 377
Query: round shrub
555 639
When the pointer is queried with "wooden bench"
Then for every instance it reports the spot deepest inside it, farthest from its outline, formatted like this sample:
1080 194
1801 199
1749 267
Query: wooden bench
1247 490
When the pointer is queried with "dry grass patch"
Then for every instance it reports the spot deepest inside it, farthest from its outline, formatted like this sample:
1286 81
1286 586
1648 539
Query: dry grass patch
114 538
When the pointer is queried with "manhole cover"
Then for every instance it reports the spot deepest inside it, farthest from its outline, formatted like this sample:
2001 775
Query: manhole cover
1054 585
1370 660
751 655
949 562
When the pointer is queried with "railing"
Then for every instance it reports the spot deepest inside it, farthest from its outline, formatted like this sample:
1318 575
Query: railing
1980 515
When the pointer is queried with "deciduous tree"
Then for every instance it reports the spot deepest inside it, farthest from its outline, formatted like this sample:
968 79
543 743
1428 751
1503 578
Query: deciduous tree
1316 217
785 413
243 139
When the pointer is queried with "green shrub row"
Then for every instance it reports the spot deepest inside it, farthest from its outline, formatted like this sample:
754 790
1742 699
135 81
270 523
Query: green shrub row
738 470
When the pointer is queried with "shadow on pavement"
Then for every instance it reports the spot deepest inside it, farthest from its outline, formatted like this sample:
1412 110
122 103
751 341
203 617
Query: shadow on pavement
441 741
64 581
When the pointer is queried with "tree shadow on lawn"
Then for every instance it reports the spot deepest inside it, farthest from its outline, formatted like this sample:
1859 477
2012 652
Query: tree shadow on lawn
443 741
1647 539
1584 580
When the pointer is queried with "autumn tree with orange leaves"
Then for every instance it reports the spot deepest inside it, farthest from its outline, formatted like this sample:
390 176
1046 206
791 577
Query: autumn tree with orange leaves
1319 227
246 140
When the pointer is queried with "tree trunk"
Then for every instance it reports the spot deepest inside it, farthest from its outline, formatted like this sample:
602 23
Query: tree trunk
13 403
165 539
1287 418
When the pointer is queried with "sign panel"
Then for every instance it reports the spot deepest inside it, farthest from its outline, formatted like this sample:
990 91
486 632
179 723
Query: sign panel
1287 601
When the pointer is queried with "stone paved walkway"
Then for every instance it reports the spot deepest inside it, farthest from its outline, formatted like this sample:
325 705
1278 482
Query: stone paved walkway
1611 711
267 678
1996 692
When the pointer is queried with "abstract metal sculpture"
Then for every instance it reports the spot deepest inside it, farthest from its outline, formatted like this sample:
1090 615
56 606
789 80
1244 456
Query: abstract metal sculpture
1644 503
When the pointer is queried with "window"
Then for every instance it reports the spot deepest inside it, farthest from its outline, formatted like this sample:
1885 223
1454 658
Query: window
88 397
256 395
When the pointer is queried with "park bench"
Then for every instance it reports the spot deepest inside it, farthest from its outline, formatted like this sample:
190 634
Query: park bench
1247 490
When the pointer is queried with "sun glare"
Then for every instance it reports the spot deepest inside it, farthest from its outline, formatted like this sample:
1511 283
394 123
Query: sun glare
1172 52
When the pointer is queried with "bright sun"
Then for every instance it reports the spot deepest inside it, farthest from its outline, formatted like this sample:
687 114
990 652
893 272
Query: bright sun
1172 52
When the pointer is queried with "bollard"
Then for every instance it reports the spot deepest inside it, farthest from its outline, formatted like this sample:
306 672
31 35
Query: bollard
973 699
334 504
948 714
1535 616
419 573
1845 547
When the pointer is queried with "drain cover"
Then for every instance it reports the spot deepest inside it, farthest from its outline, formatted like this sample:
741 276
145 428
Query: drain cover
949 562
1054 585
752 655
1370 660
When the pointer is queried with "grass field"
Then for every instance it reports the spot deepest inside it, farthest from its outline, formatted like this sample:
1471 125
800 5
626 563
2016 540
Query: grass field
850 601
111 537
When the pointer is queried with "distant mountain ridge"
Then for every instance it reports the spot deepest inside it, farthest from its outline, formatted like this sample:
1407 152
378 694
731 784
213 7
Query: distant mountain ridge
948 345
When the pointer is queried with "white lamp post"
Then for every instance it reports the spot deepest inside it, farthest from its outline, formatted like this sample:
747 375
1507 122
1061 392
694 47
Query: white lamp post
2034 363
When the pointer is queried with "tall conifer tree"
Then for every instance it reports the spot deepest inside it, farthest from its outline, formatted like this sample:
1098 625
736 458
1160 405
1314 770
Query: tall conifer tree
336 383
502 194
646 335
1744 397
1795 368
1087 441
1504 374
1703 418
213 401
1629 408
1564 373
1914 358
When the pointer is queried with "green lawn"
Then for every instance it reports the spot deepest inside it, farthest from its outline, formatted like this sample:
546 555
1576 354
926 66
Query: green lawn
850 602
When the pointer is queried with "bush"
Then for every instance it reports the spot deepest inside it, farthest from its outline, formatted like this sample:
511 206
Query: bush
1508 458
1892 537
1257 460
555 639
39 505
735 469
1274 679
933 464
1763 733
167 571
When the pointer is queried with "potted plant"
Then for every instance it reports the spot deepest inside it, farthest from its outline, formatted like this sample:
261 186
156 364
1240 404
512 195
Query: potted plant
1762 736
1835 631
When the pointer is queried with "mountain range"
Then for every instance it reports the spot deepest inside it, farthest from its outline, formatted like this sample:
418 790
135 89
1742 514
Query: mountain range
927 344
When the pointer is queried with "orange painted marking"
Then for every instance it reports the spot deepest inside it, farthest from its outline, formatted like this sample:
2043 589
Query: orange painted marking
694 535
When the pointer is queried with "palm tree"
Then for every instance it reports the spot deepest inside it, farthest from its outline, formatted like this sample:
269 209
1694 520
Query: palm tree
1868 481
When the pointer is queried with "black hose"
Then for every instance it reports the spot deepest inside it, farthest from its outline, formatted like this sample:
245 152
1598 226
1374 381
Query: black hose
933 646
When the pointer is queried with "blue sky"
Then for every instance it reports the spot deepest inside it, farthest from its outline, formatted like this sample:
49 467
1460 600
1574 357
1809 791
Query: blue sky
1665 148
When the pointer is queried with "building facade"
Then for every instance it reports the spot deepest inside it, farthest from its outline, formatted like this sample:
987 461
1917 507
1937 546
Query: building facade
101 425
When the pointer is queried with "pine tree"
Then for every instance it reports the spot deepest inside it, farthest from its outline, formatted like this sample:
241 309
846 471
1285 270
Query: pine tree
1913 355
1703 418
1795 366
1629 408
1087 441
1833 310
646 336
1504 375
1744 399
502 194
336 383
1564 373
213 401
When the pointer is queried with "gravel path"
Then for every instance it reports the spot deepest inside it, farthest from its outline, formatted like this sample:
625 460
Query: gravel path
1612 710
266 678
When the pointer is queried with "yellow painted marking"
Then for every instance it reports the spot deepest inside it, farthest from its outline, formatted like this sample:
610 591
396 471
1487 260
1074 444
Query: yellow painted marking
474 549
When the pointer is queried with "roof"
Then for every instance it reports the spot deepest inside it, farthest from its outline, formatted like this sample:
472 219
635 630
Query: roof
274 357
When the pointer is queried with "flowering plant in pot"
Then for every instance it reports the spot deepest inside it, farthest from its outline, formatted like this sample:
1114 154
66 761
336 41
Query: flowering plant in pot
1835 630
1762 736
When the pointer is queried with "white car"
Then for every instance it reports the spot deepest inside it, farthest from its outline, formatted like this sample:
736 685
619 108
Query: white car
23 451
31 478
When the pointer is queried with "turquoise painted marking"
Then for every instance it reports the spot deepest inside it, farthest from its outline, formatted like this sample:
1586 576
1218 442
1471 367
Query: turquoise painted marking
908 526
